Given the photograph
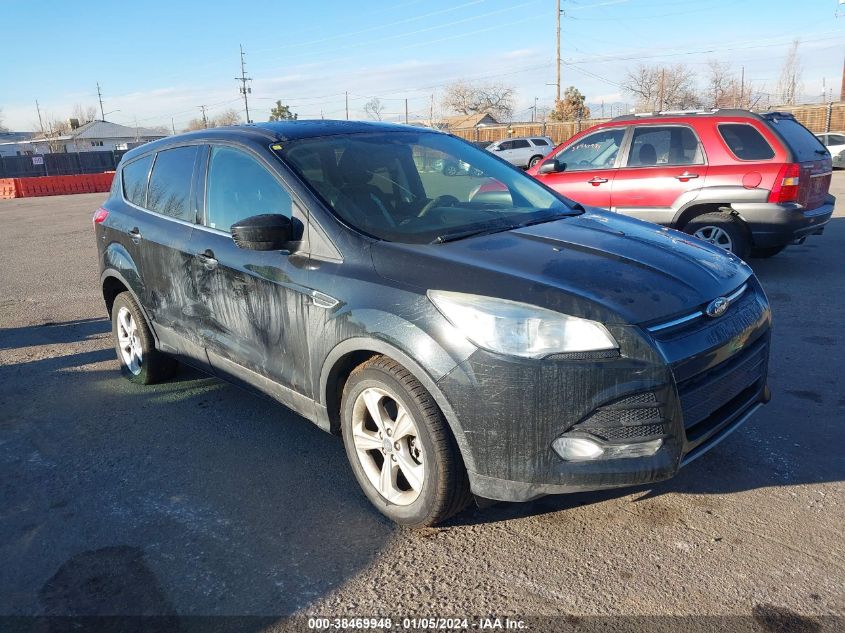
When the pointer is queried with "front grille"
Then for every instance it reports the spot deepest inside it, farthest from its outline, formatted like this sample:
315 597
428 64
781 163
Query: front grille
710 398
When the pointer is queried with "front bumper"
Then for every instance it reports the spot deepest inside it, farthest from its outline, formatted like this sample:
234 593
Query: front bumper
774 224
678 386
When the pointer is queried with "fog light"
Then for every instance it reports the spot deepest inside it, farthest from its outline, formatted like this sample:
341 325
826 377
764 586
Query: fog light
582 449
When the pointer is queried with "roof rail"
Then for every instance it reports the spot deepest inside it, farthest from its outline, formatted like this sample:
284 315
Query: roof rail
670 113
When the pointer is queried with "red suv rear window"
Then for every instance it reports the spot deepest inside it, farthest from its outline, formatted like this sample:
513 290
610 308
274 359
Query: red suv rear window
745 142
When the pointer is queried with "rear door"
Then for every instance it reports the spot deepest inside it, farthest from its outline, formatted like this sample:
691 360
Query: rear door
813 158
662 163
589 167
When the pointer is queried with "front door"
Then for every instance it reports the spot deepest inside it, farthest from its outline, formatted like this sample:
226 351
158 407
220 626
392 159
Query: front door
252 305
588 168
664 162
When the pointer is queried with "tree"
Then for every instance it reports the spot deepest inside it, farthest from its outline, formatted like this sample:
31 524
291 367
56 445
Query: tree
84 114
2 127
476 98
227 117
675 84
374 108
790 84
281 112
571 107
723 89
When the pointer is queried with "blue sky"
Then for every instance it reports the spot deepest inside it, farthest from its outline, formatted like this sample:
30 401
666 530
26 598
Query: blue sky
158 60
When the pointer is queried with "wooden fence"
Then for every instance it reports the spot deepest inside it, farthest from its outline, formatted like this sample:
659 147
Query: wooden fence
822 117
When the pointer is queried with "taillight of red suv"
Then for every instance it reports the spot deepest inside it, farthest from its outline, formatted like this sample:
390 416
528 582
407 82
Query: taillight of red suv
785 188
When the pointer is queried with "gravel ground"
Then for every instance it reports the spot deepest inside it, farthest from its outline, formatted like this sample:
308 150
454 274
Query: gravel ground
195 498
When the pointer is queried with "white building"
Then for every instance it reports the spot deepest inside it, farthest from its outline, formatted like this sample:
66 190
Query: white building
94 136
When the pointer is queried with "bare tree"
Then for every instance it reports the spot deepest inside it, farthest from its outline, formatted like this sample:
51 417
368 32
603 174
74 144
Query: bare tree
374 108
196 124
84 114
227 117
724 89
790 84
662 87
476 98
3 128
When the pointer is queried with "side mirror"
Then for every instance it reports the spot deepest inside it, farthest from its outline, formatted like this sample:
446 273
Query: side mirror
269 232
551 166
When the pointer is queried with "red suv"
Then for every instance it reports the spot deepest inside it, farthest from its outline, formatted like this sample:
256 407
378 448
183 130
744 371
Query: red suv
750 183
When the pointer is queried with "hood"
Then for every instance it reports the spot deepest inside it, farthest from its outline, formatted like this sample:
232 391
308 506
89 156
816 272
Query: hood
597 265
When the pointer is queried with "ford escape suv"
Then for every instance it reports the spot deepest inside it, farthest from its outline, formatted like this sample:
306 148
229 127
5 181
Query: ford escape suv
750 183
509 348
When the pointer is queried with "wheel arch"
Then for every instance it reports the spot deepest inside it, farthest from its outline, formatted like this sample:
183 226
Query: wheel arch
349 354
112 283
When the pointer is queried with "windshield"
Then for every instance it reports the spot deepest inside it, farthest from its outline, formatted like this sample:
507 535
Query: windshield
418 187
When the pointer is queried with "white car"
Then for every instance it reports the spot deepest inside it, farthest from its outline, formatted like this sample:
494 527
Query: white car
524 151
835 144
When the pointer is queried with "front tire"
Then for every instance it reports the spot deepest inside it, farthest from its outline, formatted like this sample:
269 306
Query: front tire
722 230
400 447
140 362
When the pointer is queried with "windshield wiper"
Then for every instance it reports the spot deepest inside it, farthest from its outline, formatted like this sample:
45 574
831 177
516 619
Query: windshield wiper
459 235
552 218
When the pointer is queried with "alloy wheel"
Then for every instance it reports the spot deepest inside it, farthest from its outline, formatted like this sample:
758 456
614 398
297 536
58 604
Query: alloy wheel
129 341
716 236
388 447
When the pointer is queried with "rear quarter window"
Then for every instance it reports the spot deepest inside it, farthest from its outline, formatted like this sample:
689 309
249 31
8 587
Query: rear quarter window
539 141
799 139
745 141
134 176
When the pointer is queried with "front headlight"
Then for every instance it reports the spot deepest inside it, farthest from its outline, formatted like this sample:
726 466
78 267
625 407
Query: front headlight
520 329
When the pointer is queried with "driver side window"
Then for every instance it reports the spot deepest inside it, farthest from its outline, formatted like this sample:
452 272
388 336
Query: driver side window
594 151
240 187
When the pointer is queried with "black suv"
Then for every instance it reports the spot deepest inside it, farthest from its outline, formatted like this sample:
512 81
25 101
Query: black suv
509 346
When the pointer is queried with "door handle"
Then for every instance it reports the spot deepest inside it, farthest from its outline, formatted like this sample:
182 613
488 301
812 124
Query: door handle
596 181
207 259
135 234
686 176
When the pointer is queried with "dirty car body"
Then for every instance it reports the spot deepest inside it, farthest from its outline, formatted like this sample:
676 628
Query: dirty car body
686 325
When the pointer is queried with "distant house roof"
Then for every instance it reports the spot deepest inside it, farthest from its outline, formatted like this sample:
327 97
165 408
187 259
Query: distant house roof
468 120
104 130
14 137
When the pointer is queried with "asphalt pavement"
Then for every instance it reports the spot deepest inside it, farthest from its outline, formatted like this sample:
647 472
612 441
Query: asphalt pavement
195 498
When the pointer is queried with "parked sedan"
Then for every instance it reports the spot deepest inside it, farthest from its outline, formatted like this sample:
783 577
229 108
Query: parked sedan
522 152
511 347
835 144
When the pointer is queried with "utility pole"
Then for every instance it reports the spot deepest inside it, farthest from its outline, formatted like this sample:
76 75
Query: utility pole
40 122
534 111
172 125
244 89
660 98
204 119
406 112
741 86
100 97
557 83
346 96
431 112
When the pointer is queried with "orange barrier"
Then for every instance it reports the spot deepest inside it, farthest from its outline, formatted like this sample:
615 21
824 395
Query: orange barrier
55 185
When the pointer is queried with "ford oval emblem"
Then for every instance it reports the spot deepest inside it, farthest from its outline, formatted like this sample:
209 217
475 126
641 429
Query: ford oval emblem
717 307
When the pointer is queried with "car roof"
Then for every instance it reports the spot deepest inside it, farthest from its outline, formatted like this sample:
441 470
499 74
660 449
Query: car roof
698 114
271 131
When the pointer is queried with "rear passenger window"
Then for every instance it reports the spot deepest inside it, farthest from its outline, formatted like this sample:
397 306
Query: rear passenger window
664 146
134 176
520 144
170 183
745 142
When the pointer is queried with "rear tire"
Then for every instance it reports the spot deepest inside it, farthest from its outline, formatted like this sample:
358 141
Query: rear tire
722 230
140 362
534 160
404 457
766 252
